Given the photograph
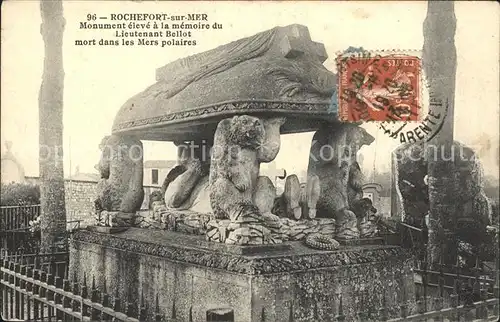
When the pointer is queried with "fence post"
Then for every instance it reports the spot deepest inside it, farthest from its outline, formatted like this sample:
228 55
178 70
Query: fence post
158 316
362 315
495 307
455 316
383 307
496 292
128 308
84 294
21 283
315 310
424 281
468 301
36 276
11 291
94 297
66 302
50 295
50 281
29 288
142 316
262 314
5 291
58 299
116 301
104 300
484 304
476 288
420 303
74 290
17 294
403 310
174 310
438 301
43 292
340 315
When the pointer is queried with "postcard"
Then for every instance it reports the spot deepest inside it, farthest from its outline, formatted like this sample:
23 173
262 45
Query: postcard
249 160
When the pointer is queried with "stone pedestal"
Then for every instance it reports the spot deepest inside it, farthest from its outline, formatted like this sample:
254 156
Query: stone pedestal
285 282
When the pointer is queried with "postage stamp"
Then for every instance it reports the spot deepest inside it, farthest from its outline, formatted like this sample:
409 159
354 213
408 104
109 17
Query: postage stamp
379 86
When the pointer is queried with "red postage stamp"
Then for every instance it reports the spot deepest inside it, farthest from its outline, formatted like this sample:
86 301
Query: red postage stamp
379 87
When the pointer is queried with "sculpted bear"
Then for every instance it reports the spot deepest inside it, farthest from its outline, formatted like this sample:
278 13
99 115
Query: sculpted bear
333 159
234 167
355 185
270 147
121 167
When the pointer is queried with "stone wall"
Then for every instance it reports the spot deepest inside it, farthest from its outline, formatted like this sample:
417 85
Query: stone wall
80 196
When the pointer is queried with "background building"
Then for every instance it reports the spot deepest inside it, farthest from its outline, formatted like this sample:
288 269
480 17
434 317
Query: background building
155 171
12 170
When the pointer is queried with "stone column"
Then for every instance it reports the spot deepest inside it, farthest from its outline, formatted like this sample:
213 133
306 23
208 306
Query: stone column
439 62
50 107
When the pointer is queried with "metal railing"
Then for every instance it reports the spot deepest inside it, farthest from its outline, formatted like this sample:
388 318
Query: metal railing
38 290
15 230
17 217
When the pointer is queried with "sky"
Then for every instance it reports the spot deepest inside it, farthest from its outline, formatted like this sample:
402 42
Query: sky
98 80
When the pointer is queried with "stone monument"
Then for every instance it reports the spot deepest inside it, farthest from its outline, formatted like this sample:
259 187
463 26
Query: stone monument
218 238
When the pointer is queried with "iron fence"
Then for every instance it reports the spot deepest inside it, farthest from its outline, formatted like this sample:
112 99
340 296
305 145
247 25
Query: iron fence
16 233
14 228
18 217
36 288
470 301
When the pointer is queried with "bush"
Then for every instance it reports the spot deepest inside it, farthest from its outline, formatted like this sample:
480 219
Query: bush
19 194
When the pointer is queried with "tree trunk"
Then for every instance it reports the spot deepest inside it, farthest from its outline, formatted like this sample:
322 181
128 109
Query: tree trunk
50 100
439 62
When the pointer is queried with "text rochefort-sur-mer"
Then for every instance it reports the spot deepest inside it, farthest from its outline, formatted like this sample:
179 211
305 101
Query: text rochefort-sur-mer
158 17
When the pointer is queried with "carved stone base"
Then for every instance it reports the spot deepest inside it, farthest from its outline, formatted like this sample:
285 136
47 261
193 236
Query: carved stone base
115 219
361 241
285 282
107 230
267 229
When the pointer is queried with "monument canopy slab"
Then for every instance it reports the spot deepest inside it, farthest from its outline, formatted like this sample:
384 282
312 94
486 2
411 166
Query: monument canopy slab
276 72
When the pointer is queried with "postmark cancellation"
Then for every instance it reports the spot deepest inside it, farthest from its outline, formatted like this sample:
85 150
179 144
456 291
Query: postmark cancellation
388 87
379 86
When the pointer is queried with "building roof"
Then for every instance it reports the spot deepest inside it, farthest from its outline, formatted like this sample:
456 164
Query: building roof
159 164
